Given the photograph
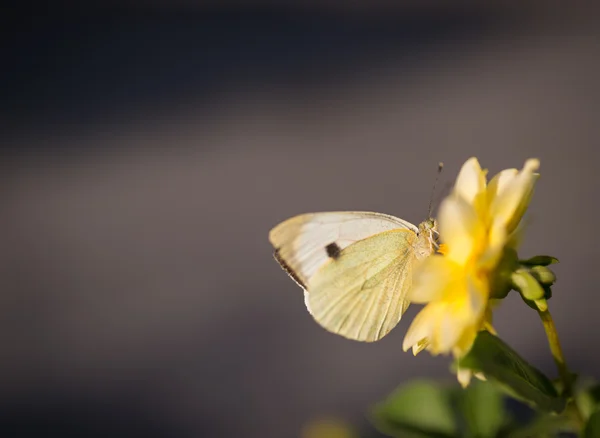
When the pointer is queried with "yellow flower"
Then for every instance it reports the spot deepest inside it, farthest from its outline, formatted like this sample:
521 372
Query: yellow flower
452 286
328 428
475 223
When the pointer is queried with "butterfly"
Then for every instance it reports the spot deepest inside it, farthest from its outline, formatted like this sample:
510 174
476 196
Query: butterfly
355 267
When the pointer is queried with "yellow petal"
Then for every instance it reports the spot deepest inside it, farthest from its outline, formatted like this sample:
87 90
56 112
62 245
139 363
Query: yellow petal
464 344
481 377
464 376
522 206
460 227
420 346
470 181
448 330
497 240
499 182
497 234
431 278
421 327
512 201
461 317
478 292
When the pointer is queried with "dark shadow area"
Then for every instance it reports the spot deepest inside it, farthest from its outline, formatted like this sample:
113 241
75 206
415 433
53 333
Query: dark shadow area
78 416
103 67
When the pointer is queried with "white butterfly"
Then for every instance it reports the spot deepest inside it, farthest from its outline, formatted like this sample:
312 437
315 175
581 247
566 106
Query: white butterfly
355 267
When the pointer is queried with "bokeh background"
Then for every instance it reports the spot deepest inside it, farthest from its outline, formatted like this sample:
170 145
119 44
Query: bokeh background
149 150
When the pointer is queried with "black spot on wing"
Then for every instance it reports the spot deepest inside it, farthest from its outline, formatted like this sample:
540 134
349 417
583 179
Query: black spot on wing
289 271
333 250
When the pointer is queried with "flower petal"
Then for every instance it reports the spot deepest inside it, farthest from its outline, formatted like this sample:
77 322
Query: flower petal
510 203
449 328
420 346
461 317
499 183
478 293
460 228
464 376
420 328
497 240
430 279
470 181
466 341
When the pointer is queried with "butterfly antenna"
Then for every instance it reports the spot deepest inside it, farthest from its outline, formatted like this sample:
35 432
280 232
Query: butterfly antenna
437 177
443 192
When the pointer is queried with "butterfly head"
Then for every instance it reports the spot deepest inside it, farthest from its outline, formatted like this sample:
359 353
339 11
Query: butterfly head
428 227
428 235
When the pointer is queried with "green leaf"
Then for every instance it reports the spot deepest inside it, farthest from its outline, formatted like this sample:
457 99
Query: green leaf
588 399
483 408
418 410
540 260
592 427
501 364
545 425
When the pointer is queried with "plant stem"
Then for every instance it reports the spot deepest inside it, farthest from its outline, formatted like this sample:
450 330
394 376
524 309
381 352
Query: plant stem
556 350
559 359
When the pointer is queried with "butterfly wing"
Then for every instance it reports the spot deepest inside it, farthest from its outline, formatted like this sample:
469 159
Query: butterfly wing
361 294
355 268
305 242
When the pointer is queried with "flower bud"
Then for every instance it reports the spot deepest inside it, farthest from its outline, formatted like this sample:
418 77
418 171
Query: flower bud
527 285
543 275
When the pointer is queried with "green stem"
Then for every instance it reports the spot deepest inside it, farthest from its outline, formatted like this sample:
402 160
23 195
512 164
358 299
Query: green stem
556 350
559 359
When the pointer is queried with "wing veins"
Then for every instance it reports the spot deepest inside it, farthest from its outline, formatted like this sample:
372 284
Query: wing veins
342 297
387 310
355 294
382 289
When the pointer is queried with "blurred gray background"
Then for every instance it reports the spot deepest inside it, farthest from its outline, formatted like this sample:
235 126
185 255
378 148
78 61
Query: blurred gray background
148 151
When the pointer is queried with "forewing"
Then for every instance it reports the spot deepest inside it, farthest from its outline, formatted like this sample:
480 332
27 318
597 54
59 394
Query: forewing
305 242
361 294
